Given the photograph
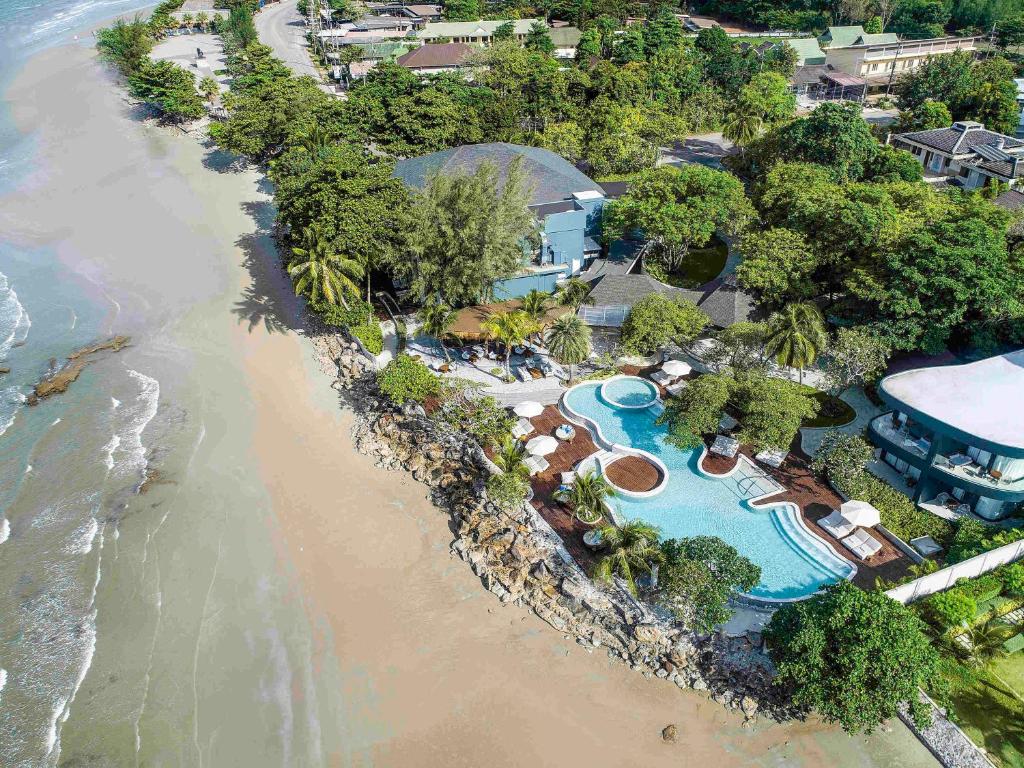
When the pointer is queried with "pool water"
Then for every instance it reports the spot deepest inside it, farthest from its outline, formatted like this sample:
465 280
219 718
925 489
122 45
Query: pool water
629 392
794 563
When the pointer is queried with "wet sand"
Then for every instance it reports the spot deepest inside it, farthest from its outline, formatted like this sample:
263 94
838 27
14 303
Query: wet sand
409 661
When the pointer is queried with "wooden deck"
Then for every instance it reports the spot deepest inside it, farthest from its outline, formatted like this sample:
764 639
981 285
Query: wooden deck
816 500
633 473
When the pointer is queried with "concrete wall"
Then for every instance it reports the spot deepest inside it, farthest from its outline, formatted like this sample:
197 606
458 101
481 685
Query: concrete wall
947 577
520 285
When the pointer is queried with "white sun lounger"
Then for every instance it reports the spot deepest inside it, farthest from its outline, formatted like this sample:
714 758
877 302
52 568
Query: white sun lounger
660 377
568 478
536 464
862 544
675 389
837 525
522 428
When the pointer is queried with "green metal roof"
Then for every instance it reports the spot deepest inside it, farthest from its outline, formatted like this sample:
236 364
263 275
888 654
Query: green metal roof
842 37
884 38
807 51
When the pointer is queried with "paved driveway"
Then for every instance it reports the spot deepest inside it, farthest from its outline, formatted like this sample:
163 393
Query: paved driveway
280 26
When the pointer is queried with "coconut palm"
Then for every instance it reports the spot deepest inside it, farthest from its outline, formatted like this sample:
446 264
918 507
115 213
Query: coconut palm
322 273
587 495
631 547
797 335
202 19
510 459
436 319
568 339
208 88
316 139
985 647
510 328
573 293
186 20
535 304
742 126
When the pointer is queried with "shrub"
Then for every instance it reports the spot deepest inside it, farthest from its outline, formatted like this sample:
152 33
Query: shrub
842 457
1012 577
481 417
507 490
696 410
168 87
407 379
656 320
953 607
972 538
899 514
983 587
370 335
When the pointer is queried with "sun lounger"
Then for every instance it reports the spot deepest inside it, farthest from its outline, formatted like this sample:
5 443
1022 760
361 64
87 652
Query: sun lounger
522 428
862 544
568 478
660 377
725 446
836 525
536 464
772 457
675 389
522 373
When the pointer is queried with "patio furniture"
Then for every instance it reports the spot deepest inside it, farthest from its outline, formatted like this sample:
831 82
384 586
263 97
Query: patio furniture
528 409
727 423
536 373
542 445
836 525
860 513
568 478
676 368
536 464
725 446
926 545
675 389
522 373
565 432
959 460
862 544
772 457
660 377
594 538
522 428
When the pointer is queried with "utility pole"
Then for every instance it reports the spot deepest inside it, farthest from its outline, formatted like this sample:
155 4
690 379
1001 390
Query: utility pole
892 70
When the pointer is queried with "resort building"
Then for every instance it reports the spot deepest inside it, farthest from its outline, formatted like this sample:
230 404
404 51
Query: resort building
479 32
435 58
846 37
965 154
420 14
565 38
565 203
956 433
807 50
880 62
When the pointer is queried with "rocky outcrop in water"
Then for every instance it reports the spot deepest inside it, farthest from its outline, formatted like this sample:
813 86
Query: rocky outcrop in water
522 561
59 379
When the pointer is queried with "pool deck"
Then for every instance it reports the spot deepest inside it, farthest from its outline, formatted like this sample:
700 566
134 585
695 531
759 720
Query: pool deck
815 501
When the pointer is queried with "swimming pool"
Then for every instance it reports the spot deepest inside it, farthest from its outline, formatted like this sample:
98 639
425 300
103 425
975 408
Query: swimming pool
794 562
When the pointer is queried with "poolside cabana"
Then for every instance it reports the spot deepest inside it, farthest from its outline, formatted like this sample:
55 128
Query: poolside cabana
469 322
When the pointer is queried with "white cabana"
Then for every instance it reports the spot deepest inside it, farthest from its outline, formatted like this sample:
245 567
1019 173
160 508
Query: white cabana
676 367
542 445
528 409
860 513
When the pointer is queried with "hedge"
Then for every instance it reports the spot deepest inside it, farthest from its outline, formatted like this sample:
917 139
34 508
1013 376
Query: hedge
370 335
407 379
899 514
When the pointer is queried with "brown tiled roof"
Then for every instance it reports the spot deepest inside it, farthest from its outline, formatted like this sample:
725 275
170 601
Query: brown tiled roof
436 55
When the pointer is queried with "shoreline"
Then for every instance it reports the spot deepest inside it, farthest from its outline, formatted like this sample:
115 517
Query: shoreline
407 624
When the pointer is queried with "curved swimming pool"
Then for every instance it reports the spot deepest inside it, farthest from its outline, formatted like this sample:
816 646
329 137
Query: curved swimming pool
629 392
794 562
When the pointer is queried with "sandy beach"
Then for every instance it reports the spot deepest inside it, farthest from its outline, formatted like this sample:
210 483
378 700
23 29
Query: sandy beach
307 609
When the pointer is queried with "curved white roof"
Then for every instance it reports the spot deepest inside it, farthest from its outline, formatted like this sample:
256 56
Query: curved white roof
983 399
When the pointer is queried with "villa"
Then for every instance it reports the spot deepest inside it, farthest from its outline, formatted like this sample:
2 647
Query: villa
479 32
435 58
965 154
957 434
565 203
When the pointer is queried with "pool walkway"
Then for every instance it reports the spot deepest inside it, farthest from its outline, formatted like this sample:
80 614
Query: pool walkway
815 501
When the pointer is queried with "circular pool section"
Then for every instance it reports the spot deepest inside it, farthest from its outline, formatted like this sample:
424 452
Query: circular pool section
629 392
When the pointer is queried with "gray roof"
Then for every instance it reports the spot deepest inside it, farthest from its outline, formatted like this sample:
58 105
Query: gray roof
959 138
474 28
1011 200
722 300
981 400
550 177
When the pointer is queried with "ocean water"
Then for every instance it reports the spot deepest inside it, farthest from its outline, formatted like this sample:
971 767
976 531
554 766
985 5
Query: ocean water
144 615
793 563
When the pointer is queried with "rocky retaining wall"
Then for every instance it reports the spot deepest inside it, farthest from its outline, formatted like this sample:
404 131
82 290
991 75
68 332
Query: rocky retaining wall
522 561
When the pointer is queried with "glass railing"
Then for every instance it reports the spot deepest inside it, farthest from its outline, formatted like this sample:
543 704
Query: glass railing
900 436
965 469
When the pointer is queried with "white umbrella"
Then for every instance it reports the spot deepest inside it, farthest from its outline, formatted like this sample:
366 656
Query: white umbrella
860 513
676 367
528 409
542 445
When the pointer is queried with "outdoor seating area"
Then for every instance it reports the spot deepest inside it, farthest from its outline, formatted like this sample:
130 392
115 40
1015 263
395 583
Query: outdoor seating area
669 375
849 524
725 446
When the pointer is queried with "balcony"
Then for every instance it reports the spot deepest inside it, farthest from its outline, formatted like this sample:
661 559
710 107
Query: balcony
967 474
899 438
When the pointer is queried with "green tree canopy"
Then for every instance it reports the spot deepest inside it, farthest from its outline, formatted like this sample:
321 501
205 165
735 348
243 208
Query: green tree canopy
168 87
697 409
125 44
539 39
852 655
778 265
656 320
772 411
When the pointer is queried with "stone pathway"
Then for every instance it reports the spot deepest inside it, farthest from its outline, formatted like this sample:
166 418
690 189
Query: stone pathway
810 438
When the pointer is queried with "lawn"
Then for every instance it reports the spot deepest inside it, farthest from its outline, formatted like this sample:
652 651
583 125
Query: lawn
990 715
700 266
832 412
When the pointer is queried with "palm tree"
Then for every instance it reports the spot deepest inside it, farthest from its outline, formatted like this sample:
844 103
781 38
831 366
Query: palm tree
586 496
632 547
202 19
437 319
321 272
985 647
186 20
510 459
573 293
316 139
742 126
568 339
535 304
208 88
796 336
510 328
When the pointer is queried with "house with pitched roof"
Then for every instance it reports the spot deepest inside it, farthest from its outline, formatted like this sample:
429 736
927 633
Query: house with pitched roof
435 58
966 154
479 32
879 59
565 203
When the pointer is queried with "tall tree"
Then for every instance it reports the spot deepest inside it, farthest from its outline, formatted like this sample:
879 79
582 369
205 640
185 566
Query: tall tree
510 329
629 549
797 336
468 231
657 320
778 265
663 32
436 319
568 339
320 272
855 358
539 39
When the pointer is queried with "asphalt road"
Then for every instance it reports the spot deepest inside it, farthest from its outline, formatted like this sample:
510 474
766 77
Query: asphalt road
282 28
